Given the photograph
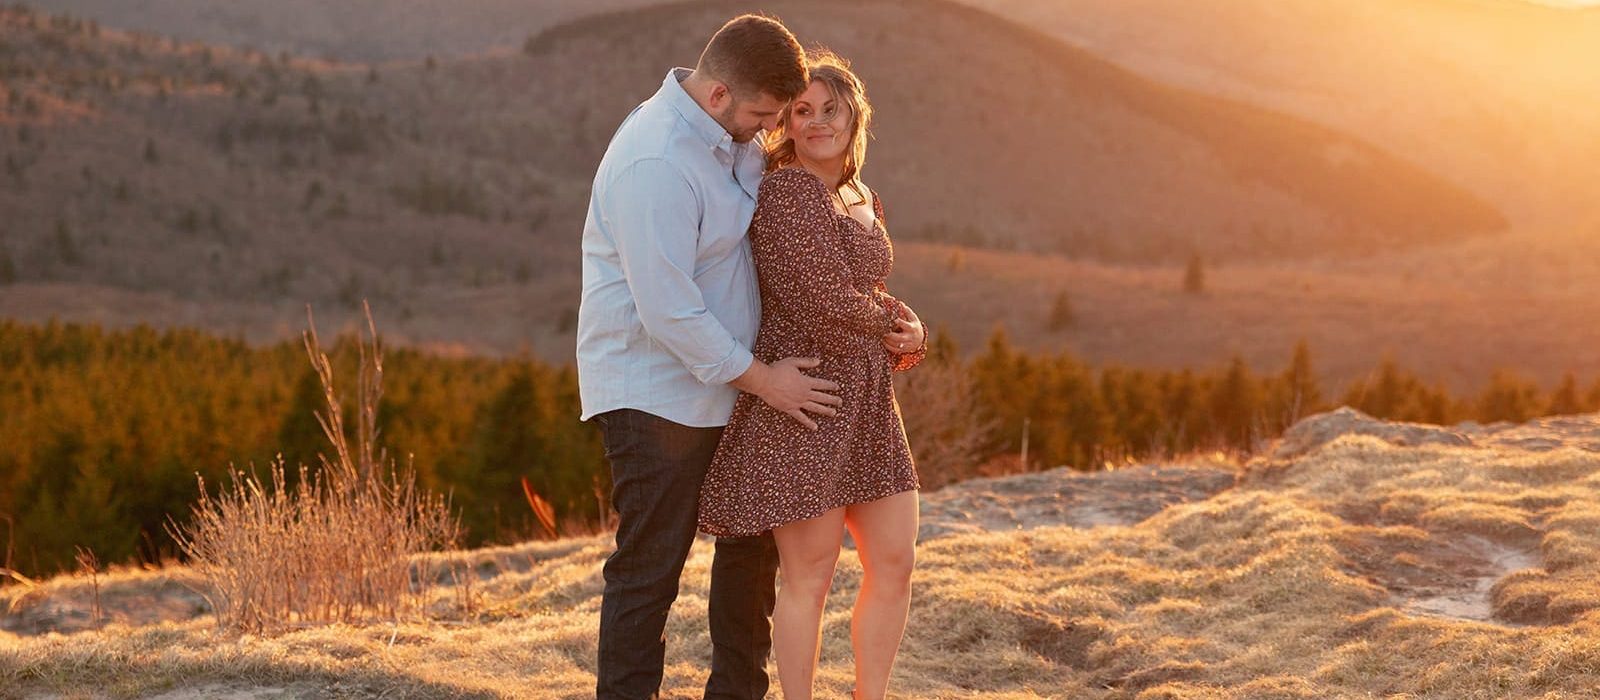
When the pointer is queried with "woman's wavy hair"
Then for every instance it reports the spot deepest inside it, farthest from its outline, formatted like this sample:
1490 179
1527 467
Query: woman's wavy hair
833 71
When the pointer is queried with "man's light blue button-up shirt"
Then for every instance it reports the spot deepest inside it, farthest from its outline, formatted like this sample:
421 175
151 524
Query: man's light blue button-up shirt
670 302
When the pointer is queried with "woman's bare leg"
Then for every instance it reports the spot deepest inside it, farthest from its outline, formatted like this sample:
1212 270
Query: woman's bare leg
885 532
807 553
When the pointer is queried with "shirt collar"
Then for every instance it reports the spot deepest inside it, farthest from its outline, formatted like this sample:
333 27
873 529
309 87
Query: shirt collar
707 128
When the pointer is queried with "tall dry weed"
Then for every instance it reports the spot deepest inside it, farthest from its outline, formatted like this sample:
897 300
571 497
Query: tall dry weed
340 544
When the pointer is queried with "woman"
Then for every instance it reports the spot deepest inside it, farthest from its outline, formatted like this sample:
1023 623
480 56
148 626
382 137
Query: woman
822 254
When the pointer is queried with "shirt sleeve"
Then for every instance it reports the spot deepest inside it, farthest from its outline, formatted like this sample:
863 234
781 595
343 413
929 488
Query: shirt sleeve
802 269
654 219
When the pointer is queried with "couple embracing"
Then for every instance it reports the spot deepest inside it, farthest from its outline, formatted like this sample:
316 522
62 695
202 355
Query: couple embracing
735 346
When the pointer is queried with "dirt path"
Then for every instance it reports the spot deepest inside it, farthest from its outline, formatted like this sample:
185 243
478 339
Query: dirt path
1066 497
1478 563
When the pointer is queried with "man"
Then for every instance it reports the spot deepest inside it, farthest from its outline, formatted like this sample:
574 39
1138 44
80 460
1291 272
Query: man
670 307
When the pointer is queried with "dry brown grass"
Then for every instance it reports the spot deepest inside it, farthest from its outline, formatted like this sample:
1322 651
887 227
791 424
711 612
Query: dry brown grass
1302 582
337 545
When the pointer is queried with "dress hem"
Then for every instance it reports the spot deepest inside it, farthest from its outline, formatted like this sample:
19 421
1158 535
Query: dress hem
774 526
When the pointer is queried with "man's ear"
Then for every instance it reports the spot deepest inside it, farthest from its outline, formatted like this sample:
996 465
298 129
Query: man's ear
720 96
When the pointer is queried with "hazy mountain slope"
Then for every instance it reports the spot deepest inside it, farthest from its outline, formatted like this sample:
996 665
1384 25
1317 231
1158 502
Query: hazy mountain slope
1064 151
347 30
199 175
1499 95
989 132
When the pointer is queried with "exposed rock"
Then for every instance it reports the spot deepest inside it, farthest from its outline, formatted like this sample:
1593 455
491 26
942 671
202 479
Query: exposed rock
1317 430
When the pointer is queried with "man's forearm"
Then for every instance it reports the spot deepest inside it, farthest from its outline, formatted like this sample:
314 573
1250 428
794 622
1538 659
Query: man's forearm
755 379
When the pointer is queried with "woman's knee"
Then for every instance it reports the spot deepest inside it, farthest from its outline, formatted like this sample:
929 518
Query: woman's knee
811 576
891 566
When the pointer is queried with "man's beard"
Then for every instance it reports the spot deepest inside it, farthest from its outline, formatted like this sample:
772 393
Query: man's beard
726 119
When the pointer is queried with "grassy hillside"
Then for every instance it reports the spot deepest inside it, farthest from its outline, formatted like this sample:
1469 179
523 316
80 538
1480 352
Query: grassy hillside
1359 559
145 172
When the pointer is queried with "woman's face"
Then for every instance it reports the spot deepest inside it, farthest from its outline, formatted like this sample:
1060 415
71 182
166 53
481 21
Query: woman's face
820 124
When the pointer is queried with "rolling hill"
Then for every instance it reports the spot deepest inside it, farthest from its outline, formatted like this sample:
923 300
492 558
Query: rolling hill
1495 95
1064 152
181 183
992 134
344 30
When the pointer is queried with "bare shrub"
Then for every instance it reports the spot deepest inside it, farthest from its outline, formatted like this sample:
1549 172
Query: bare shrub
337 546
937 401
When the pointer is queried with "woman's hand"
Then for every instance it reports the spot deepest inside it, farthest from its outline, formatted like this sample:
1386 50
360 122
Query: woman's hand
910 335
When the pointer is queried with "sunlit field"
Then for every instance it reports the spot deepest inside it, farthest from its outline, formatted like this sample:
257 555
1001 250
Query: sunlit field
1357 559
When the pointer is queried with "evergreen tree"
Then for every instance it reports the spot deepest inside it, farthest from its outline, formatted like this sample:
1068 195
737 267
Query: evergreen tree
1061 314
1180 406
1133 399
300 438
1591 400
1436 407
1235 406
508 447
8 268
942 347
1298 393
1389 396
66 248
1194 275
1508 398
998 382
1565 401
313 193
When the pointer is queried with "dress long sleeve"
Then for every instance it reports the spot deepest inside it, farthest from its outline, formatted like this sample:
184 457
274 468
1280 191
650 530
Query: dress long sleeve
795 239
899 361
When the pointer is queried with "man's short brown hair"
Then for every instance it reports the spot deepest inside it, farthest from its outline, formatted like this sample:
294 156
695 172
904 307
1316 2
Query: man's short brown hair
753 54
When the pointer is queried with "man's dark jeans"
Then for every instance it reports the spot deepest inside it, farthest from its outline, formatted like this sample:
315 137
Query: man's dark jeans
657 467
